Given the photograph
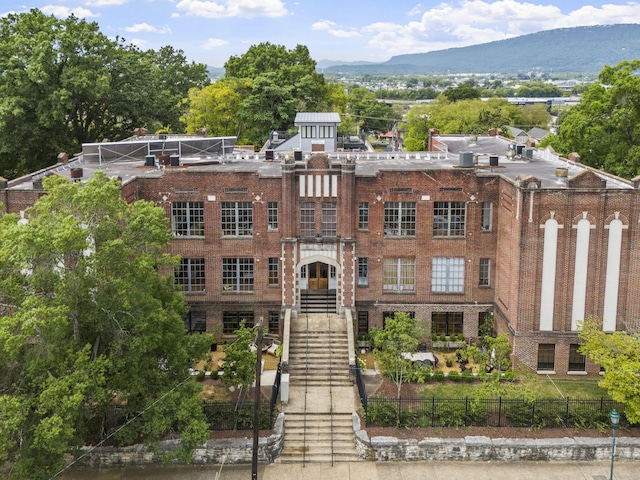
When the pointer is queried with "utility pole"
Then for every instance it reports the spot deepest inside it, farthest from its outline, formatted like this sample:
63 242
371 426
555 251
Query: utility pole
256 403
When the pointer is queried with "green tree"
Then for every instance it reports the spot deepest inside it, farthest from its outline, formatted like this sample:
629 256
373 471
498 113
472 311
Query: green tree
499 352
400 335
619 354
89 326
65 83
214 108
604 128
367 112
239 364
464 91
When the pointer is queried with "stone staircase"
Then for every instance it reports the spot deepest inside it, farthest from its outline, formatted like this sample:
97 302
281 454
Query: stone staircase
318 423
318 301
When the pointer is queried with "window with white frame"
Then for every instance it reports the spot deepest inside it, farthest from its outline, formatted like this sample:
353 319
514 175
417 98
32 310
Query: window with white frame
329 219
449 219
447 275
190 275
398 275
400 218
307 219
308 131
274 278
363 216
486 222
485 272
272 216
363 272
237 218
187 219
237 274
325 131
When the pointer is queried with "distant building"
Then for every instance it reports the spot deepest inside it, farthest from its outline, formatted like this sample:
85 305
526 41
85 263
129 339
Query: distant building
457 236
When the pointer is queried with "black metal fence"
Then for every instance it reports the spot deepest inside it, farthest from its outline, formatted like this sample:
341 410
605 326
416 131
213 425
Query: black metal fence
362 391
458 412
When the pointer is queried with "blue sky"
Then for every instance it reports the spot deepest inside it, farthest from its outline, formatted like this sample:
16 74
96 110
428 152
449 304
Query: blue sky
210 31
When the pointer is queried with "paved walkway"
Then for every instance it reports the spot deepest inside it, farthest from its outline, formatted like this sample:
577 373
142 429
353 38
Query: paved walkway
378 471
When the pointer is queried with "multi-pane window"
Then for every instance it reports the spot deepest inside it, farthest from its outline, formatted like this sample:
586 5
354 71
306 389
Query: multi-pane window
387 315
237 274
447 275
449 219
486 222
272 216
546 356
196 322
274 322
398 274
363 323
446 323
231 321
577 361
237 218
190 274
400 218
325 131
363 216
308 131
363 272
329 219
307 219
187 219
485 271
274 278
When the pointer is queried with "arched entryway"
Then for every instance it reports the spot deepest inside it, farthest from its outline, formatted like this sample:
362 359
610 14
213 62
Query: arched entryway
318 287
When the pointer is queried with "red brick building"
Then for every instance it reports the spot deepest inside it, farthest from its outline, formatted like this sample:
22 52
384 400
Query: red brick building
479 228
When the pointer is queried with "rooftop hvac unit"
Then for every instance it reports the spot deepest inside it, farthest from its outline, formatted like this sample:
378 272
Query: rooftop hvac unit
466 159
268 155
149 160
297 155
528 153
493 160
519 149
174 160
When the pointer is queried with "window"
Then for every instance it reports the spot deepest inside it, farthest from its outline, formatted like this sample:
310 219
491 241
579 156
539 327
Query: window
387 315
237 274
196 322
273 271
231 321
237 218
329 219
447 275
325 131
308 131
190 275
274 322
187 219
398 274
307 219
446 323
577 361
487 214
272 216
363 272
449 219
400 218
546 356
363 216
363 323
485 271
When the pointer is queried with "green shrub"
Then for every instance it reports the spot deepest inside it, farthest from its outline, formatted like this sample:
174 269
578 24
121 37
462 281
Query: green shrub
460 337
467 376
438 376
453 376
381 413
200 376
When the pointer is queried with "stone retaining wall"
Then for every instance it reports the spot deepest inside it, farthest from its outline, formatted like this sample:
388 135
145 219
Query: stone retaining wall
233 450
476 448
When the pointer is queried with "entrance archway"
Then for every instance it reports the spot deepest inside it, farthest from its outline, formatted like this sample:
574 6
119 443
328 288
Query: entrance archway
317 276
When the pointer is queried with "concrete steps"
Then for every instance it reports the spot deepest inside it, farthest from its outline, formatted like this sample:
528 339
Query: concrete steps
318 423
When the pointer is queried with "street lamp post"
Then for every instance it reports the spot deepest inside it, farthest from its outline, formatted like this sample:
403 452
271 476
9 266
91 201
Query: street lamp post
615 421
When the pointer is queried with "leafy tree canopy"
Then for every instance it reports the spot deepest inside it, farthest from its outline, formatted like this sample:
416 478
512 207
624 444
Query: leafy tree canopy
368 113
65 83
89 324
604 128
619 354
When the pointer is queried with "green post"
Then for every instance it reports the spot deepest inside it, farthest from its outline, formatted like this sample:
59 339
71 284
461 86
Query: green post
615 420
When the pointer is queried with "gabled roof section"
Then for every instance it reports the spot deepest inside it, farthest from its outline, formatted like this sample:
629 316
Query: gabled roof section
516 132
317 117
538 133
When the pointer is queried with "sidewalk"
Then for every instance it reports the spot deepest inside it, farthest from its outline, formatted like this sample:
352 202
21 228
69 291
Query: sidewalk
377 471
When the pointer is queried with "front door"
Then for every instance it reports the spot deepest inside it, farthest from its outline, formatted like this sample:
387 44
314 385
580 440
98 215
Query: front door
318 276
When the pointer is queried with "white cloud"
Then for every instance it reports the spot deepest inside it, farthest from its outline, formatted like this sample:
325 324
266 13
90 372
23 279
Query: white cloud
233 8
145 27
214 43
140 43
417 10
105 3
63 12
332 29
470 22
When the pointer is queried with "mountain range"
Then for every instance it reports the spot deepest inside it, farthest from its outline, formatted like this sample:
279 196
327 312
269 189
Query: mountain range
563 50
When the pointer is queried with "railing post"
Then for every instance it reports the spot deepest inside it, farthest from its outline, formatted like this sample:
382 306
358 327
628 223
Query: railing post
499 410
